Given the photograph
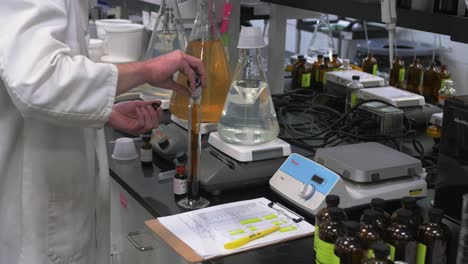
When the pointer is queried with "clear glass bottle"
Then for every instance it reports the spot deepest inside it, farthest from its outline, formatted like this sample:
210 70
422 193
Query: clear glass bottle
330 231
381 252
205 43
415 77
430 81
433 238
444 75
346 65
369 64
348 247
316 45
352 92
397 73
249 117
446 91
401 237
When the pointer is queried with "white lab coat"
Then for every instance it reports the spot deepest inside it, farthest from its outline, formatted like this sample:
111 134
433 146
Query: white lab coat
54 189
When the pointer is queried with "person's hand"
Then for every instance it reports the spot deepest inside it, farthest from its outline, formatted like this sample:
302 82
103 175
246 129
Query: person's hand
135 117
161 70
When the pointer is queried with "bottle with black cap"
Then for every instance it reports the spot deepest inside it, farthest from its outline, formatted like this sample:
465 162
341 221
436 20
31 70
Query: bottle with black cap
146 151
401 237
323 215
381 252
369 233
348 248
180 178
330 231
409 203
433 237
383 218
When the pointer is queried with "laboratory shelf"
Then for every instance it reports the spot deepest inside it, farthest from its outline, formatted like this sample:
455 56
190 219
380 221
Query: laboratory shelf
453 26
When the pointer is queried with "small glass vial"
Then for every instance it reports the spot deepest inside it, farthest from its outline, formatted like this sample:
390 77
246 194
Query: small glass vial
180 178
446 91
346 65
352 92
146 151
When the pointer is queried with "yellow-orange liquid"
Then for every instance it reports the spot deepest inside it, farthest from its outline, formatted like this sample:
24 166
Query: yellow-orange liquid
218 82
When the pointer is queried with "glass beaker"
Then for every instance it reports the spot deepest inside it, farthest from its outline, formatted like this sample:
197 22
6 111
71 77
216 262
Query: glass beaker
205 43
318 47
249 117
168 35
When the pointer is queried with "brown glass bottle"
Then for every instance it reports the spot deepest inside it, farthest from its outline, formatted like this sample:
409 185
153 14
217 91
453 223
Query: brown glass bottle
348 247
324 68
330 231
397 73
180 178
383 219
294 71
401 237
430 80
433 238
369 64
335 62
146 154
381 252
369 233
410 204
305 77
443 76
300 67
415 77
316 70
322 215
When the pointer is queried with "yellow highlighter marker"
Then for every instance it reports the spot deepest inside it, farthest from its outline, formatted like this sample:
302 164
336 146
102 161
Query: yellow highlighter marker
244 240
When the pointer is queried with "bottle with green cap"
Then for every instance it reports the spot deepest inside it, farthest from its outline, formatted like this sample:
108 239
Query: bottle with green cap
433 238
381 253
330 231
401 237
409 203
348 248
369 233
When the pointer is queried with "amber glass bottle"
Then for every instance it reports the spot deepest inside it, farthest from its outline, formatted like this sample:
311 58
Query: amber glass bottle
443 76
410 204
397 74
330 231
369 233
430 80
381 252
322 215
324 68
146 151
299 66
335 62
383 219
369 64
348 247
415 77
433 238
294 71
316 70
304 76
401 237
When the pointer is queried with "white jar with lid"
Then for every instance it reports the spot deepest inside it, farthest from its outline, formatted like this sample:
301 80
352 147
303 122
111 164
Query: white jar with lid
96 49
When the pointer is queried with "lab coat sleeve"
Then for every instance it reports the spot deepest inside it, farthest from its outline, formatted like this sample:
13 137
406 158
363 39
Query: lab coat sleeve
43 78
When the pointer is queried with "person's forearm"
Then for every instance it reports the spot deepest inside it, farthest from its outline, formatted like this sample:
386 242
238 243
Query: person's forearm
131 75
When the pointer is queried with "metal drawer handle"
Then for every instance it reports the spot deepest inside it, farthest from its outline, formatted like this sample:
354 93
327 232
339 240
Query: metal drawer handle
135 244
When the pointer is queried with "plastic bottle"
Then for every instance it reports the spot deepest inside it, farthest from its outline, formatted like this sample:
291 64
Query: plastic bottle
369 64
401 237
369 233
322 215
409 203
336 62
429 82
352 92
346 65
330 231
316 70
180 178
381 252
348 247
433 238
397 74
415 77
446 91
146 151
444 75
324 68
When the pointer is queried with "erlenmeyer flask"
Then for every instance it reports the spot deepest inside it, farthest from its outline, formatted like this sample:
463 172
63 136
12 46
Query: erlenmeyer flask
205 43
168 35
318 46
249 117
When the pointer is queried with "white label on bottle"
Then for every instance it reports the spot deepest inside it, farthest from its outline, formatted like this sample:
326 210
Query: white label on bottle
180 186
146 155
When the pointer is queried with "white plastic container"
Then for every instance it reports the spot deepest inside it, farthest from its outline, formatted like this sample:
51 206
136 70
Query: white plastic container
124 42
103 23
125 149
96 49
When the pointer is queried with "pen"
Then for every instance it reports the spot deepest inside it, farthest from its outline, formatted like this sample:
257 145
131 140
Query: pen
244 240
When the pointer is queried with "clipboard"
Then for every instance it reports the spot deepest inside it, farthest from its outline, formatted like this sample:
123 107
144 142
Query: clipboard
191 256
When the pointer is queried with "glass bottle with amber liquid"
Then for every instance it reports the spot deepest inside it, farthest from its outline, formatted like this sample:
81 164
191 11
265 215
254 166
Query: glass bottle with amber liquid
300 69
335 62
323 215
316 70
330 231
444 75
205 43
180 178
300 60
409 203
430 82
369 233
397 73
415 77
324 68
401 237
348 247
369 64
381 252
146 151
433 238
383 219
